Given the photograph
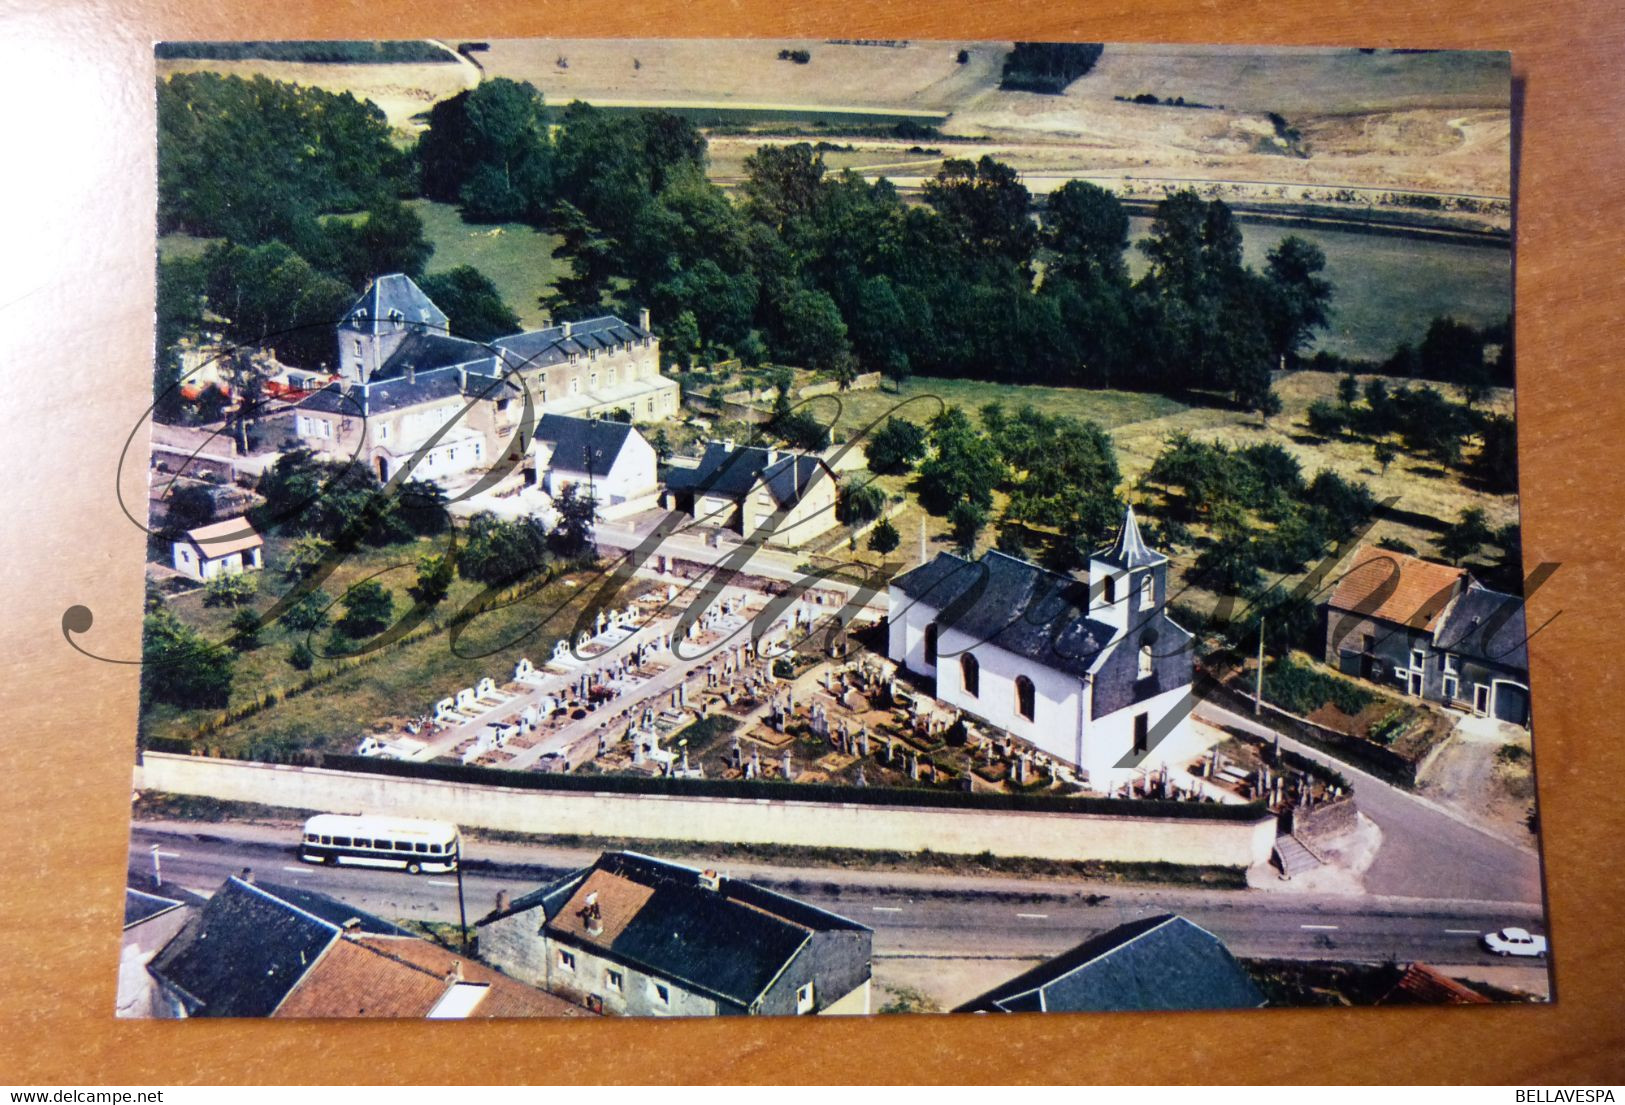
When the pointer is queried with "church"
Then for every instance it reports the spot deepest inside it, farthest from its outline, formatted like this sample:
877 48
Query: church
1094 674
402 377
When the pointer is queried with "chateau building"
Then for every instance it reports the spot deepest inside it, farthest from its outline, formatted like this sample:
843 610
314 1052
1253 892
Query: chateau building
1094 674
407 387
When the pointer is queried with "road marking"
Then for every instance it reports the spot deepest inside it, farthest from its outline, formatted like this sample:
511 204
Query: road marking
441 882
1463 932
886 909
1034 916
1325 928
296 869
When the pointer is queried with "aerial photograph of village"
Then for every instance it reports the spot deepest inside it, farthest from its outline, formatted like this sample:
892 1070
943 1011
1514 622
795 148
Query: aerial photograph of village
700 528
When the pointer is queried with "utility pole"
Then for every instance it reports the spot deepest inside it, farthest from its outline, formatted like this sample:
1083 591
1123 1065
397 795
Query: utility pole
1258 694
462 914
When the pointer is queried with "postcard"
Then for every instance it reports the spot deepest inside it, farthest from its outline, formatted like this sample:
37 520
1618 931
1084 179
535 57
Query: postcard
697 528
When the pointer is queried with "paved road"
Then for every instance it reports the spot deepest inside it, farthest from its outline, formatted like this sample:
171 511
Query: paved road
1428 850
914 915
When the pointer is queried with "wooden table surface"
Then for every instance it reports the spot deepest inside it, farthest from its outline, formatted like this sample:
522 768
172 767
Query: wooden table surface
76 315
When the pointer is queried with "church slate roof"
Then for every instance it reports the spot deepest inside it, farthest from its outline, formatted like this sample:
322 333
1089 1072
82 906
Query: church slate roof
732 471
1130 550
575 439
1156 963
1012 605
389 296
245 950
1486 625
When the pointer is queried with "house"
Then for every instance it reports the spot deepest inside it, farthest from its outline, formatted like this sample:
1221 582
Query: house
411 393
1095 674
1157 963
608 459
785 497
220 548
276 951
636 936
1422 985
1430 631
150 922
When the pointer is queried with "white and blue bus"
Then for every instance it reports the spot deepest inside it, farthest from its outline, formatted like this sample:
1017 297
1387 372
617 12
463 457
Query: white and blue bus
405 842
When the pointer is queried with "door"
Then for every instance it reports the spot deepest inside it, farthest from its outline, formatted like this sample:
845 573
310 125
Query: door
1512 703
1481 699
1414 683
1142 733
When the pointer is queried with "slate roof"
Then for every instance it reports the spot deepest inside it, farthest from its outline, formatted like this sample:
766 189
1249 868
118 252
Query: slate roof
245 950
140 906
1012 605
1486 625
1396 587
426 352
1130 550
573 439
1156 963
224 538
548 346
733 470
731 942
394 293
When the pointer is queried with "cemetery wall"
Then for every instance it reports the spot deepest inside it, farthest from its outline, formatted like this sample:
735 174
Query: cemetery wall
816 824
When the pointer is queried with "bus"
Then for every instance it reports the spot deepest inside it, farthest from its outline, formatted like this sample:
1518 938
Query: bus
405 842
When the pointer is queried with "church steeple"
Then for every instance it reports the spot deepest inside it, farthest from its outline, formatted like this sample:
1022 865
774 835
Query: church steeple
1130 551
1128 579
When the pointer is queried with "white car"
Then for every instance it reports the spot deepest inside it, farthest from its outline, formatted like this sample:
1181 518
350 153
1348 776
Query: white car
1514 941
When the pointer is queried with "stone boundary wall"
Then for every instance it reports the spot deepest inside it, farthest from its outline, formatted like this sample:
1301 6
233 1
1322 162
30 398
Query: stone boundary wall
1324 822
1058 836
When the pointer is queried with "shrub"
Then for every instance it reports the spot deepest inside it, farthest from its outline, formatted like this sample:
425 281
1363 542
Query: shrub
229 590
1300 689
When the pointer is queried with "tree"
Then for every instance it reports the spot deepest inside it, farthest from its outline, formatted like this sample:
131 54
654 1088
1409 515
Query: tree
884 538
309 612
368 607
894 447
1497 461
472 303
814 332
300 656
662 445
783 184
1385 453
245 630
1348 390
190 506
965 466
389 238
860 501
420 506
965 521
1300 298
489 150
1463 538
499 553
435 572
229 589
572 538
181 668
307 553
1087 228
986 208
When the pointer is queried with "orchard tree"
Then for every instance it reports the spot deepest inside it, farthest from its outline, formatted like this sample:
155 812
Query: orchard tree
368 607
884 538
180 667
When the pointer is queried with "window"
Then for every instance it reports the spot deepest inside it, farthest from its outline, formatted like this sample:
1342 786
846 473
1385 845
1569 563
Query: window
342 841
1452 688
970 674
1450 663
1368 643
383 431
1026 697
422 847
593 383
1108 589
613 980
1145 662
1418 658
931 644
567 960
804 999
1142 732
1148 589
660 993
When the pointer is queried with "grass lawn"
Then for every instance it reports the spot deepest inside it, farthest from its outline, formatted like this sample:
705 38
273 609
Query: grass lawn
403 683
517 258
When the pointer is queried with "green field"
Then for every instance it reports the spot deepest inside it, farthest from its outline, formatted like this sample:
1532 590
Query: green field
517 258
1385 289
923 396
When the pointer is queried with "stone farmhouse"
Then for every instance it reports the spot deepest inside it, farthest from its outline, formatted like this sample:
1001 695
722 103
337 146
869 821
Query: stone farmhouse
218 549
787 497
1094 674
407 385
1430 631
636 936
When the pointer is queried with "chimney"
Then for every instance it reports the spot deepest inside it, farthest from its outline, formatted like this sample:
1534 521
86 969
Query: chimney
568 326
728 445
411 374
503 901
643 319
772 456
710 880
247 875
352 925
455 974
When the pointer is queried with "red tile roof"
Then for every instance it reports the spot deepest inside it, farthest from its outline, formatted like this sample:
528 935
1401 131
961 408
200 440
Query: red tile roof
1397 588
1422 985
